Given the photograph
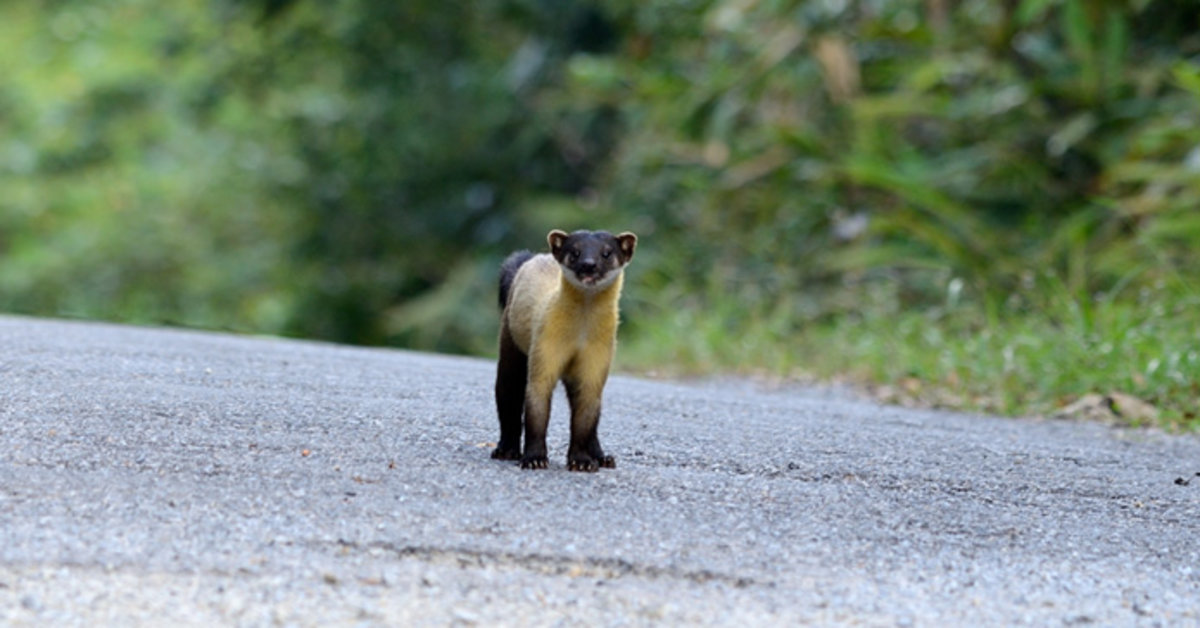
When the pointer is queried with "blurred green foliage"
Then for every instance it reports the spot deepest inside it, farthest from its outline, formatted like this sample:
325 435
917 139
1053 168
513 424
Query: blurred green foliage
807 178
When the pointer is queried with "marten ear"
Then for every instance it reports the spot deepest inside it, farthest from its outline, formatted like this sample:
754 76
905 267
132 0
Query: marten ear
556 239
628 242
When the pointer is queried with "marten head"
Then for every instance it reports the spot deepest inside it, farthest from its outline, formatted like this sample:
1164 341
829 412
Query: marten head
591 260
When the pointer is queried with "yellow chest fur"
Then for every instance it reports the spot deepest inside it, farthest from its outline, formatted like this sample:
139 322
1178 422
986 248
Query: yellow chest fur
555 323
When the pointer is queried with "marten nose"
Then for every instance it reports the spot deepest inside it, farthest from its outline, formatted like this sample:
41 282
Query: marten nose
586 266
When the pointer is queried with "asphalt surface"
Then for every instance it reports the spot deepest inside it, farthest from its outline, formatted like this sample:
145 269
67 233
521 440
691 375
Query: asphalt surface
158 477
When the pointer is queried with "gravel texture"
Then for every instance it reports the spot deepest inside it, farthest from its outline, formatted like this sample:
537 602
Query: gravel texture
159 477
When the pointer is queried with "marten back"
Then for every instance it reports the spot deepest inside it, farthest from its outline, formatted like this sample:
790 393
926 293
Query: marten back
508 271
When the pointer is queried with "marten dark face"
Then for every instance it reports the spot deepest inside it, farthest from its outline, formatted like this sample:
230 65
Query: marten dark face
591 260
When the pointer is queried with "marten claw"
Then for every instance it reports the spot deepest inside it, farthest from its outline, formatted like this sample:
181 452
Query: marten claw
588 466
608 462
538 462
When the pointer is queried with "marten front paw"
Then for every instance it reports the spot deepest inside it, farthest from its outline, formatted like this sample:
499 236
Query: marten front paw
534 462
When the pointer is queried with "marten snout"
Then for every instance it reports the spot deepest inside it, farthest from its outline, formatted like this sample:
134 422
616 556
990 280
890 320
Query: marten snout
588 271
585 267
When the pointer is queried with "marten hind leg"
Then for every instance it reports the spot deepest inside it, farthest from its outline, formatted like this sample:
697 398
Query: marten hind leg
511 375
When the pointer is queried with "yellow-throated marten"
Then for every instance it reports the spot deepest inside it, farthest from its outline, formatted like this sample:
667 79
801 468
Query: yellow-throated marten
559 322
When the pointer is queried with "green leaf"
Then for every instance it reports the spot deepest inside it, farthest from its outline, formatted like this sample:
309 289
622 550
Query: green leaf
1033 10
1077 30
1187 76
1113 49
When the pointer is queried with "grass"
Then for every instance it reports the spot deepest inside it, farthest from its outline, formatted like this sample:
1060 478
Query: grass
1021 361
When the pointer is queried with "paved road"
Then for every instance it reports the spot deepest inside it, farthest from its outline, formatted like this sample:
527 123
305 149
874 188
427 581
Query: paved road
159 477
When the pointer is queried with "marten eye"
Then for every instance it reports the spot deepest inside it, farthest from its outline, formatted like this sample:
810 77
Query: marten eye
573 255
607 253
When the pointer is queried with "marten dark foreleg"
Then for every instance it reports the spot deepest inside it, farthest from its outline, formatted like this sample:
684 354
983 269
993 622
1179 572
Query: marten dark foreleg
537 417
538 392
511 376
585 453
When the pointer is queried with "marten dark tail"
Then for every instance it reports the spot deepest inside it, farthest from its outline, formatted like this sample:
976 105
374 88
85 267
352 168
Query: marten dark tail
508 271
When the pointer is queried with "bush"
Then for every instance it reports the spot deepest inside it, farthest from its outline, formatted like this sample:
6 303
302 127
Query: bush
800 173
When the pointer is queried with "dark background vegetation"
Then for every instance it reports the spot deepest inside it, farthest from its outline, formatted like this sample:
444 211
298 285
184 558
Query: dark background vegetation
985 204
